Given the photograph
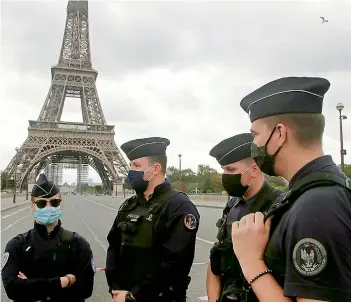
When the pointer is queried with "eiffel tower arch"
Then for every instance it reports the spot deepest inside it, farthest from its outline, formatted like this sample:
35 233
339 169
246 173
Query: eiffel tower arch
52 141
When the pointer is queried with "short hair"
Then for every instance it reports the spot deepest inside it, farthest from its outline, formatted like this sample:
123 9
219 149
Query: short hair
249 161
160 159
307 127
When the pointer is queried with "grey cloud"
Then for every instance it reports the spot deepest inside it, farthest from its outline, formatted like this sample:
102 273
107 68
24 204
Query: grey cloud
260 37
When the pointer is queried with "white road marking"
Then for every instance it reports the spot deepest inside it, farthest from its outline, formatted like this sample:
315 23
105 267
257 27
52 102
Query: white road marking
96 238
200 263
9 215
204 298
13 223
204 240
99 204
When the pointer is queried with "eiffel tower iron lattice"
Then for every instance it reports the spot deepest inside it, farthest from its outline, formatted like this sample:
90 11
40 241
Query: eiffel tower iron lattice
52 141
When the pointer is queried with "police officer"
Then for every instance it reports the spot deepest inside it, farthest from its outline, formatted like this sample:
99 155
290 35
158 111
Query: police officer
48 262
308 254
152 240
243 180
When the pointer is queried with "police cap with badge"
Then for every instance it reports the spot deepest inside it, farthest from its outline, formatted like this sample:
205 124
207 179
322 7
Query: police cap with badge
289 95
44 188
286 95
229 151
142 147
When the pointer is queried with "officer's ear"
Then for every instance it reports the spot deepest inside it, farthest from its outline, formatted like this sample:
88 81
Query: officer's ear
157 168
255 170
282 130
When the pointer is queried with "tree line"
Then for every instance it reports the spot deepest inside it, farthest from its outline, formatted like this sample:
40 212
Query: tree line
207 180
204 180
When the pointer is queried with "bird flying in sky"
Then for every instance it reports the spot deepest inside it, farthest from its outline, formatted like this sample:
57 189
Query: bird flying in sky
324 20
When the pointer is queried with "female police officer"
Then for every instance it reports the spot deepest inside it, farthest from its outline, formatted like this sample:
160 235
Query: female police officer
308 254
48 262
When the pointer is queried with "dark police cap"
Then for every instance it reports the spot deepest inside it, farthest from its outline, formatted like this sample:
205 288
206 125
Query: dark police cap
143 147
286 95
44 188
233 149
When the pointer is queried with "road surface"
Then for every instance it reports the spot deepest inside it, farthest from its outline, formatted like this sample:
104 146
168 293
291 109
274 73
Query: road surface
92 217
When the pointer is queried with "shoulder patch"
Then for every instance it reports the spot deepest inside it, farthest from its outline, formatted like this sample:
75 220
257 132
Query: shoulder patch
4 259
190 221
93 265
309 257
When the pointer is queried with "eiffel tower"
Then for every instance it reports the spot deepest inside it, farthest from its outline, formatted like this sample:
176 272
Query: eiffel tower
51 141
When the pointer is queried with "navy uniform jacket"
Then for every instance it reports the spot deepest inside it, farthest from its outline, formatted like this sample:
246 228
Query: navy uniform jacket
37 256
261 201
310 249
239 208
166 263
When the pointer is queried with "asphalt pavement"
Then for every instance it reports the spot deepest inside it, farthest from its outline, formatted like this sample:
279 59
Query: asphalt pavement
92 217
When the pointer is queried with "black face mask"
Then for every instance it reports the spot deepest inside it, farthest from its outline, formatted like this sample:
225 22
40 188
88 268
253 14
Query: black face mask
264 160
232 184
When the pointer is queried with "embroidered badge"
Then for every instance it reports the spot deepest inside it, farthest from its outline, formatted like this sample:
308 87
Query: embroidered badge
93 265
190 221
4 259
309 257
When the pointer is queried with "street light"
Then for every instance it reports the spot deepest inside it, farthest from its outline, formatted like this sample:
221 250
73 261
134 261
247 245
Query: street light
340 107
180 166
15 178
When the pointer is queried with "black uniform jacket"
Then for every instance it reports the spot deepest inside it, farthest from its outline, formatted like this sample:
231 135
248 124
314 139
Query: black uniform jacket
153 259
310 249
42 258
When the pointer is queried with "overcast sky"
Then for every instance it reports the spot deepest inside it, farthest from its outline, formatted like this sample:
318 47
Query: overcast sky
177 70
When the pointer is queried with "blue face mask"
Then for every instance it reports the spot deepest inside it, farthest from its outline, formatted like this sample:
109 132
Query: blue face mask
47 215
137 182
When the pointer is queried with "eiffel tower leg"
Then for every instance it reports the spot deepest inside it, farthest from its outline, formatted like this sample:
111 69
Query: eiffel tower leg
118 189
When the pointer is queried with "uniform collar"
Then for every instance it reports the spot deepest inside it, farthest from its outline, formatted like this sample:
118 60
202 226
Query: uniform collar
254 197
42 231
159 189
315 165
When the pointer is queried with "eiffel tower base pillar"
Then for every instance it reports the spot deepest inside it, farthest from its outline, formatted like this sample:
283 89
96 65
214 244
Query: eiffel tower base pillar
118 190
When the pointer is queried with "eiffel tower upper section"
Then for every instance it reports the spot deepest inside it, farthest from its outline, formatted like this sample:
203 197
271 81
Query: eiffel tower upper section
73 76
51 140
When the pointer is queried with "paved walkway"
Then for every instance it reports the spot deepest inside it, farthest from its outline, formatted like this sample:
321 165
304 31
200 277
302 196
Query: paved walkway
7 202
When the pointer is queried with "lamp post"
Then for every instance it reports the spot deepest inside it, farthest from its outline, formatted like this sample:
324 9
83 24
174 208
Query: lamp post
180 166
340 107
15 178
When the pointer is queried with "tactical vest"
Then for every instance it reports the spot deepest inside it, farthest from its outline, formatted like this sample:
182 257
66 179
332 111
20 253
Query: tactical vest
139 252
223 260
283 204
46 259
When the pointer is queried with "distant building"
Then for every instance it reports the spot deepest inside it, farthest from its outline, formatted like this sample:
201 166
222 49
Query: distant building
66 188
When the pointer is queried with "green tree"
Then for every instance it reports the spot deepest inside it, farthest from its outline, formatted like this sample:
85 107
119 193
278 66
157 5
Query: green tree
98 189
4 180
172 174
347 170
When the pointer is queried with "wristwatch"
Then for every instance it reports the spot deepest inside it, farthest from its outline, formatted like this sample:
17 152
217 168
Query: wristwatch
129 297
